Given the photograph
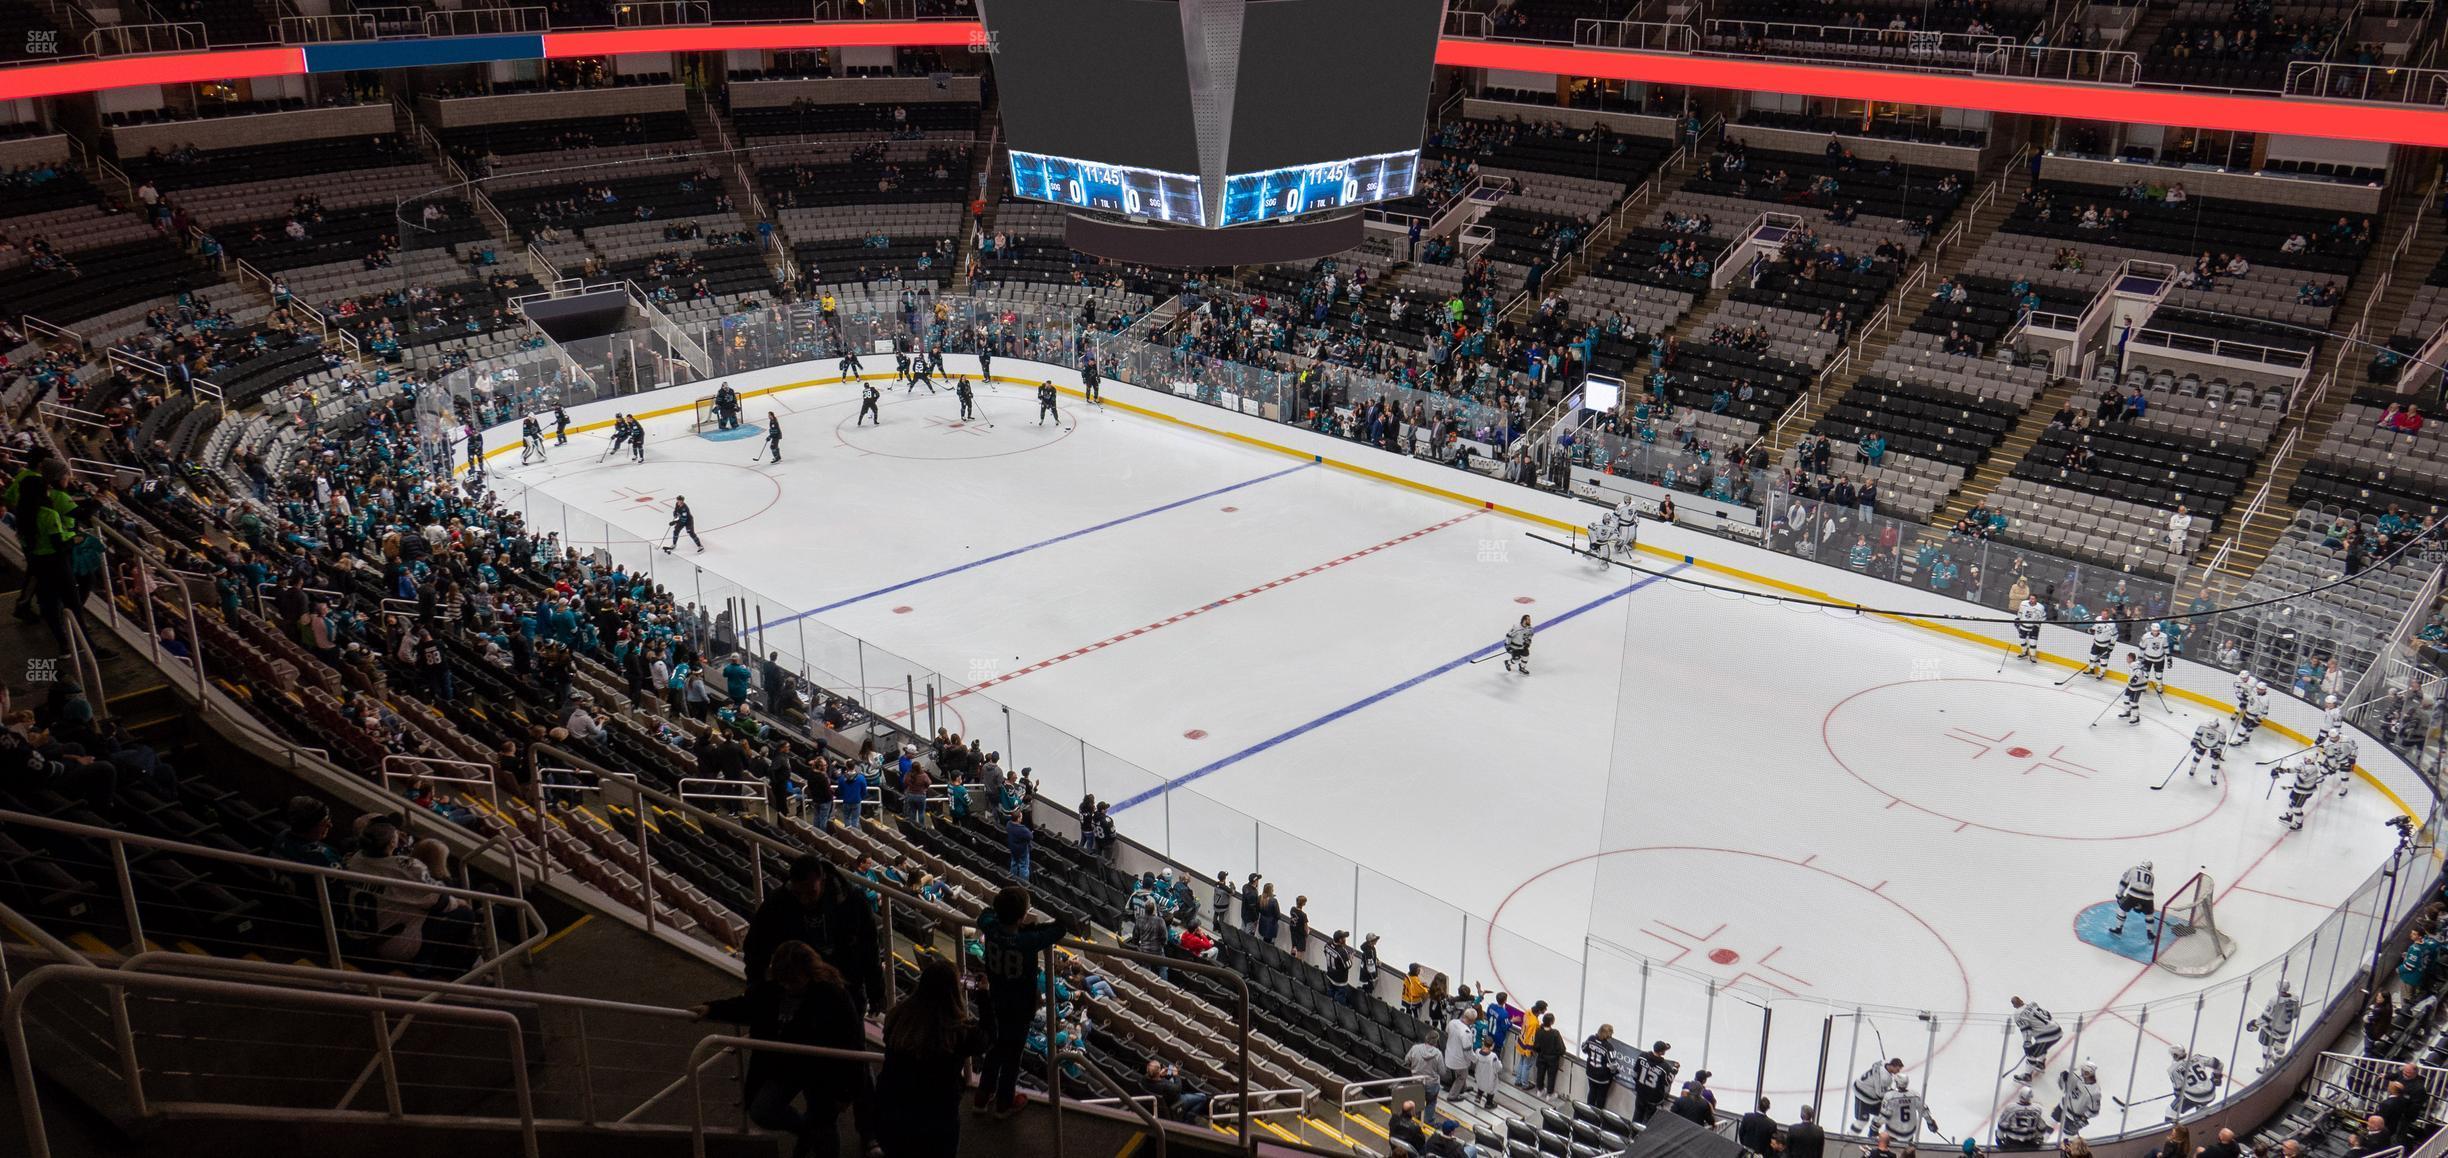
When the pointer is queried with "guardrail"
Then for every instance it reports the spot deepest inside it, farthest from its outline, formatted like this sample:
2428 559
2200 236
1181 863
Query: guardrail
121 983
661 13
486 21
1640 35
1927 50
2036 62
145 39
327 29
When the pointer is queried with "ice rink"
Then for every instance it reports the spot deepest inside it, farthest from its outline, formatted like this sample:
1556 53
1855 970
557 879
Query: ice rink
1824 815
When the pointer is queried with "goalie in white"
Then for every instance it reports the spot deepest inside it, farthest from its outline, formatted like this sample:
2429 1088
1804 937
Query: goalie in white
2021 1126
2307 777
1903 1114
2040 1034
1602 537
2137 892
2209 743
2276 1024
2193 1081
2078 1099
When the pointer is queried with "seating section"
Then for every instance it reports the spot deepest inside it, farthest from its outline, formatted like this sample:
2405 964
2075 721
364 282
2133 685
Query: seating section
1878 33
1883 128
2242 44
2312 240
2366 464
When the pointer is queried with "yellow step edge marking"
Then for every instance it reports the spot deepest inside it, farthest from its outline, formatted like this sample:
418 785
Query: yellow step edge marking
564 931
1130 1145
1370 1126
1330 1131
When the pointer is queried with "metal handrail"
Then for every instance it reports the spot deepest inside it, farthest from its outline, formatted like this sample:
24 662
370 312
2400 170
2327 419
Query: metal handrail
119 842
119 982
706 1050
1146 1114
1233 981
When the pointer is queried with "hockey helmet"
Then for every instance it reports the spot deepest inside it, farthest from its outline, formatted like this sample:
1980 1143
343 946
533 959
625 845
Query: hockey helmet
1902 1082
2023 1094
2145 866
2329 701
2089 1070
2178 1052
2285 989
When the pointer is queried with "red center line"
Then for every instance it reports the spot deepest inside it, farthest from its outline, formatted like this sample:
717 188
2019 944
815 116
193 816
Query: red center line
1204 608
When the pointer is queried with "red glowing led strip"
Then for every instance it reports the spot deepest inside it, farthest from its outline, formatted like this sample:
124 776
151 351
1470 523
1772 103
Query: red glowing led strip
2393 124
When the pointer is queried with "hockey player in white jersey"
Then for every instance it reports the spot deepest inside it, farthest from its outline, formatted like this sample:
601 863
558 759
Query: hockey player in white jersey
2252 706
1517 647
1602 537
1627 528
1903 1114
2040 1033
2338 759
1870 1089
2131 693
2209 743
2276 1024
2028 619
2193 1082
2306 777
2103 647
2078 1099
2154 647
2137 892
2333 720
2020 1126
1627 514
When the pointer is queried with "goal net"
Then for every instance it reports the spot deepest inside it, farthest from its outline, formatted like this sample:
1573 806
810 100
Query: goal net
706 418
2189 940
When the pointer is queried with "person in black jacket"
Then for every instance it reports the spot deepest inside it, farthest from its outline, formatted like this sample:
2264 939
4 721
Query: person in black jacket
800 1001
1012 947
816 907
1757 1131
1652 1076
1804 1139
928 1040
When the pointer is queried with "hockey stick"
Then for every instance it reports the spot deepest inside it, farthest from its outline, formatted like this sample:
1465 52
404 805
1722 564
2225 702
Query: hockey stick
2122 1104
2288 756
2171 776
1487 657
2103 712
2078 674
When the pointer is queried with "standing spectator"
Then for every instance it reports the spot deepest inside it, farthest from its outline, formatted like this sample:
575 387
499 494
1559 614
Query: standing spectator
853 795
1598 1065
800 1001
1223 900
2180 524
1652 1076
1414 991
815 907
928 1041
1487 1072
1804 1139
1697 1104
1364 984
1525 1050
1338 968
1549 1046
1461 1037
1270 914
1012 948
1249 905
1299 922
1757 1131
1020 839
1427 1063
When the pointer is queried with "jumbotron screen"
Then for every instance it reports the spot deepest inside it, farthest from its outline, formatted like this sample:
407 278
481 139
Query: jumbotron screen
1209 113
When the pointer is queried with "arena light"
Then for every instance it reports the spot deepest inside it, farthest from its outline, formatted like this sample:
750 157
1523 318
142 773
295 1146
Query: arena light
2391 124
76 76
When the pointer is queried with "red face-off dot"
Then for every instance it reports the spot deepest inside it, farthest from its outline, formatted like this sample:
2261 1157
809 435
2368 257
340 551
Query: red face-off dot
1724 956
1523 599
903 610
1195 734
2019 753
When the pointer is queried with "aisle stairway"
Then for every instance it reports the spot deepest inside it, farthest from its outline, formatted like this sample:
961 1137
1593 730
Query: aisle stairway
2009 451
2365 299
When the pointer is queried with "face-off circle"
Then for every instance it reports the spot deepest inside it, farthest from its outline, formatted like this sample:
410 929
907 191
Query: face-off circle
2018 758
931 428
